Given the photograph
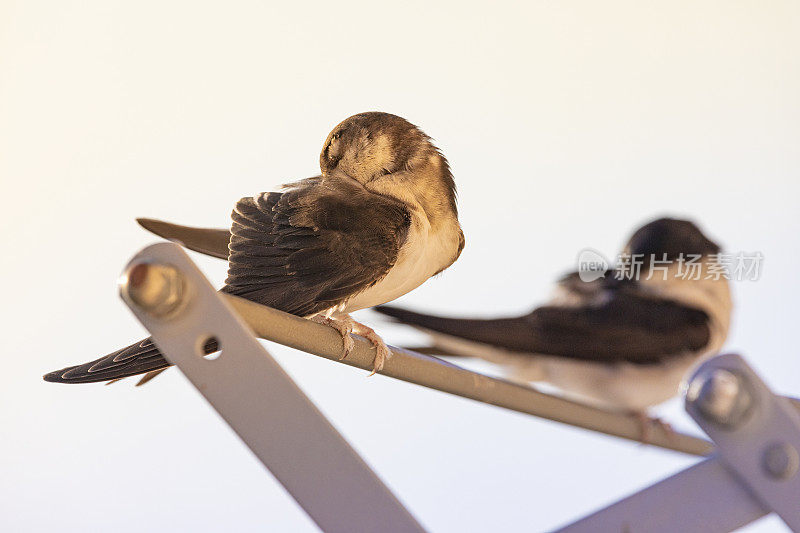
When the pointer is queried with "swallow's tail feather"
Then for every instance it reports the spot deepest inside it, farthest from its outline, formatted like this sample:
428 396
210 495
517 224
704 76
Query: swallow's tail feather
209 241
139 358
471 338
513 334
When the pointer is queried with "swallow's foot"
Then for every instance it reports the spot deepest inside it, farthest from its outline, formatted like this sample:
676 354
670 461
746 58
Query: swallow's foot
382 352
649 423
344 324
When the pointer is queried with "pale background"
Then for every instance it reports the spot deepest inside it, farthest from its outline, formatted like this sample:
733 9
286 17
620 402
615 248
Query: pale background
566 124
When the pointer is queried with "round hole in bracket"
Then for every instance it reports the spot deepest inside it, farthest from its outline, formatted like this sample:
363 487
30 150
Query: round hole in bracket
209 348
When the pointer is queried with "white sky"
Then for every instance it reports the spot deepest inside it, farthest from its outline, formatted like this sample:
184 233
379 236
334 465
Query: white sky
566 123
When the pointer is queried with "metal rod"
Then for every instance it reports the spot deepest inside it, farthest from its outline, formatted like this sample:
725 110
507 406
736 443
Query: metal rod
431 372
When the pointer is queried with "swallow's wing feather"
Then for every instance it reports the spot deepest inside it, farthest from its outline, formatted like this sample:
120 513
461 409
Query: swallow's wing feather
301 251
314 246
209 241
626 327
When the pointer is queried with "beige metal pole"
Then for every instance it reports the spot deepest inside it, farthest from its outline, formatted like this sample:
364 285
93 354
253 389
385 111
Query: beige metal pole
323 341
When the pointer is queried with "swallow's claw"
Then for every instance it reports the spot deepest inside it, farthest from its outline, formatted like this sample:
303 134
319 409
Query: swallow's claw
382 352
647 425
348 343
344 326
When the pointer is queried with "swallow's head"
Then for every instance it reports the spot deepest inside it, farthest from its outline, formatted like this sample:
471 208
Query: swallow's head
371 145
388 155
670 236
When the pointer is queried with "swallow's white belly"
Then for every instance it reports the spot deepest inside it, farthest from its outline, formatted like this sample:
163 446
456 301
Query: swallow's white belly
424 253
623 386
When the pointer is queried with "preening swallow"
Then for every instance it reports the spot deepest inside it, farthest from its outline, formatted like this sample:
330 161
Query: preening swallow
623 342
377 222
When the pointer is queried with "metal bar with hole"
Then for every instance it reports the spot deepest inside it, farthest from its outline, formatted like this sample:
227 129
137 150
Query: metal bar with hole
282 427
757 436
755 470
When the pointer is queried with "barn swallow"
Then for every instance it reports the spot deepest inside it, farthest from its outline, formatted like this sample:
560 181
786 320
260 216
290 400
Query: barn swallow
379 220
621 341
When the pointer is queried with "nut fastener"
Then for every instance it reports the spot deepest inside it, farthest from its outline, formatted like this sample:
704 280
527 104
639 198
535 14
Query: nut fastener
721 397
155 288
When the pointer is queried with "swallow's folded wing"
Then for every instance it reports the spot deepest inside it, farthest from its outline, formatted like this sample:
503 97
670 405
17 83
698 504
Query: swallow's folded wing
313 247
209 241
627 327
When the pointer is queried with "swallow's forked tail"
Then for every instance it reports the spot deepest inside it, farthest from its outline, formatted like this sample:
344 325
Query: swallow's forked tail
138 358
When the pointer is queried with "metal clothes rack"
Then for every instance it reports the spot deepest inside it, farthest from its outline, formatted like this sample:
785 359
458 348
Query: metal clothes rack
752 472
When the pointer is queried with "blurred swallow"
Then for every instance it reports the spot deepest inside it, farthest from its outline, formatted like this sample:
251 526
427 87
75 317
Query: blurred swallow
378 222
620 343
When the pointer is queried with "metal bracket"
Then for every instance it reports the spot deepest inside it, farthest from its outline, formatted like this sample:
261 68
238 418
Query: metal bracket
753 473
284 429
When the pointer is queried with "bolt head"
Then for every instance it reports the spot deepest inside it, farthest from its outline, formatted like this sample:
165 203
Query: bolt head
780 460
157 289
721 397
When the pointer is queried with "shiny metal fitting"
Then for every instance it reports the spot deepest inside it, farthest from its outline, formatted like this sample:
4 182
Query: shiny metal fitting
157 289
721 397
